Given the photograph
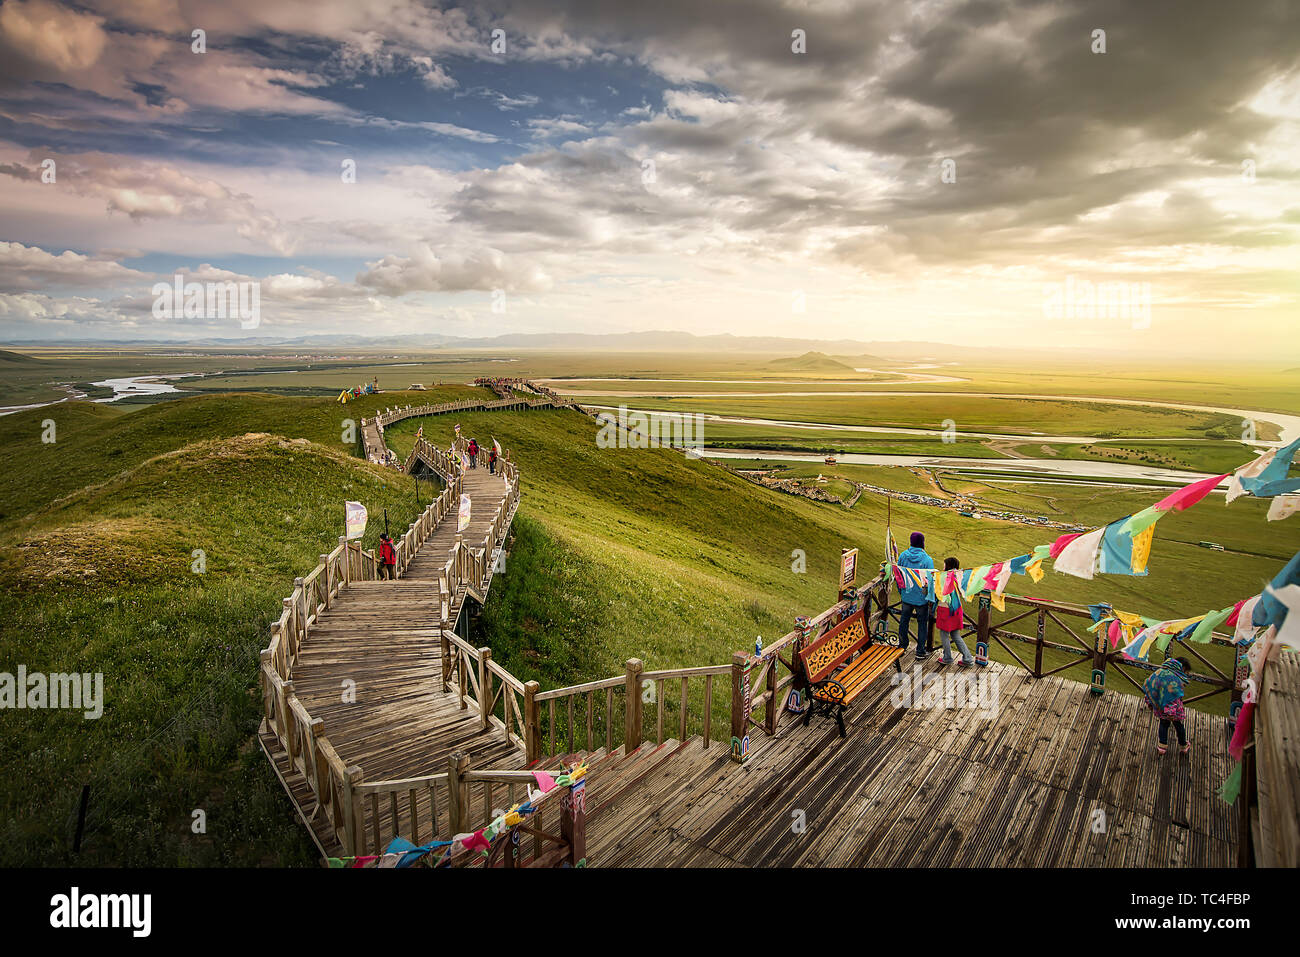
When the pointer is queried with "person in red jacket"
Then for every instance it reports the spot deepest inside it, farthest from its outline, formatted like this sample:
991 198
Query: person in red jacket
387 557
473 453
949 619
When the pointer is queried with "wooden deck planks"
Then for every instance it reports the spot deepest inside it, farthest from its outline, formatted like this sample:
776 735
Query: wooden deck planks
928 787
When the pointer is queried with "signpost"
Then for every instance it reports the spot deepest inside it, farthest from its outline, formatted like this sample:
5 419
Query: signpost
848 569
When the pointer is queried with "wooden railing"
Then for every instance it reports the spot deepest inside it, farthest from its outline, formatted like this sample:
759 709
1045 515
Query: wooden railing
1053 632
565 845
1268 825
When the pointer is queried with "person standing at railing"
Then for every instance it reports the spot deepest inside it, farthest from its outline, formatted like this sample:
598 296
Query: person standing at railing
917 595
492 458
949 617
473 453
387 557
1164 690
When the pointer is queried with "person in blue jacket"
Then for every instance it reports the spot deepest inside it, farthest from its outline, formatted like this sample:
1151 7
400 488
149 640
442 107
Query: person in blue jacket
916 599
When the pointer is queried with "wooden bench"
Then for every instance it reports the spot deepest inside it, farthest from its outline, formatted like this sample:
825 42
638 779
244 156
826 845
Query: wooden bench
831 689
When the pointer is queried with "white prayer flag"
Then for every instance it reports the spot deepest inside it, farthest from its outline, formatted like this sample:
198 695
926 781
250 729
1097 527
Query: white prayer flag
355 519
462 518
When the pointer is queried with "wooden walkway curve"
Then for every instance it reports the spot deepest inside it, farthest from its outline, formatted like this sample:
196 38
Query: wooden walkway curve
356 681
382 721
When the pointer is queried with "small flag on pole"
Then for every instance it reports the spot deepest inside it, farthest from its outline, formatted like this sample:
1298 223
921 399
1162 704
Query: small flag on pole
462 518
355 519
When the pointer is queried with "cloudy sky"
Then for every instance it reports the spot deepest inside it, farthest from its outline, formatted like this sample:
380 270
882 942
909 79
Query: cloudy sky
875 170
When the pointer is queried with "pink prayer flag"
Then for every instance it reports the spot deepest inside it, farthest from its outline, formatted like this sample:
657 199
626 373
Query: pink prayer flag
1061 542
544 781
1113 632
1241 733
1189 495
476 840
991 579
1231 620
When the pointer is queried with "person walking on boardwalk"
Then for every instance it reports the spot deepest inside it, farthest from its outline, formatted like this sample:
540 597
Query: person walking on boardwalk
492 458
949 619
917 596
473 453
1164 690
387 557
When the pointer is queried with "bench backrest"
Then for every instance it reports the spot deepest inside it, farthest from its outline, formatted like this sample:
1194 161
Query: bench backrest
827 652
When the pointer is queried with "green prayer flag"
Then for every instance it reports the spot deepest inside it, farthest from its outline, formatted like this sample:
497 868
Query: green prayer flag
1232 786
1141 521
1211 621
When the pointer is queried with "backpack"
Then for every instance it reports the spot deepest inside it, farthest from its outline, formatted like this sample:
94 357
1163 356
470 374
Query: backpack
1164 686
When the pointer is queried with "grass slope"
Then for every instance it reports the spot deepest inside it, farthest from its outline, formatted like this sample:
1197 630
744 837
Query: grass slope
104 580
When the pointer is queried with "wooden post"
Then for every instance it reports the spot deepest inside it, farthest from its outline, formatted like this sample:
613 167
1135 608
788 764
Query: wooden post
446 658
573 824
1038 643
484 687
769 718
290 721
740 704
1246 797
1099 658
632 706
353 824
532 723
457 791
982 630
347 564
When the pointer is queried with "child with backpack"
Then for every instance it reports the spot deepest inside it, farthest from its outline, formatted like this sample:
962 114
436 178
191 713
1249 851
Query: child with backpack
1164 690
949 618
387 557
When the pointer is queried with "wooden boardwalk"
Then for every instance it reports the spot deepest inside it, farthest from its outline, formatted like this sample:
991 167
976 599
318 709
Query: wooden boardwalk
386 638
386 739
1055 778
371 674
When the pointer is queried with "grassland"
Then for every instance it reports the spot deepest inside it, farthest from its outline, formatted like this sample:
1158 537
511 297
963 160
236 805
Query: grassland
968 413
618 553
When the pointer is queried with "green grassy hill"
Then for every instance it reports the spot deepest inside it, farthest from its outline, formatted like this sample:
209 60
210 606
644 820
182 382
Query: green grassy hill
99 575
809 362
94 441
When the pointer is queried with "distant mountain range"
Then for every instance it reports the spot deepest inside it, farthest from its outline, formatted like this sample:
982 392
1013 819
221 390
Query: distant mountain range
553 341
815 354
